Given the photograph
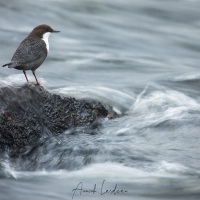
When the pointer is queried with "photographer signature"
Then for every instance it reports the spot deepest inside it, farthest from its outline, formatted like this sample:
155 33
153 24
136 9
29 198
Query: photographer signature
80 189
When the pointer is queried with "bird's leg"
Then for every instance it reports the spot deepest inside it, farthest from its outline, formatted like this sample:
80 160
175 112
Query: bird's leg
25 75
35 77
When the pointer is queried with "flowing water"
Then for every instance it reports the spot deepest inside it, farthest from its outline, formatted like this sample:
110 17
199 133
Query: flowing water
140 56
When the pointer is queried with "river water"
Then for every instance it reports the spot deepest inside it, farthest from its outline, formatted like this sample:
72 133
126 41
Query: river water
141 57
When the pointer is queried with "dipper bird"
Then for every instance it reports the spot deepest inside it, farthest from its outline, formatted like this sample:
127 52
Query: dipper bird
32 51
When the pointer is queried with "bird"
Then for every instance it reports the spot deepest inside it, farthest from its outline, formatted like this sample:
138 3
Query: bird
32 51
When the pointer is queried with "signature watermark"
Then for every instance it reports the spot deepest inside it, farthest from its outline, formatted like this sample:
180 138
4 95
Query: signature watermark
102 190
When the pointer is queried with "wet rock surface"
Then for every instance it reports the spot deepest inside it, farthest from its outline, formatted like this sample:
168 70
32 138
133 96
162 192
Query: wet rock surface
30 112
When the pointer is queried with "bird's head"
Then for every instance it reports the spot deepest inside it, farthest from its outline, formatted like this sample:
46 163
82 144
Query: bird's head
42 30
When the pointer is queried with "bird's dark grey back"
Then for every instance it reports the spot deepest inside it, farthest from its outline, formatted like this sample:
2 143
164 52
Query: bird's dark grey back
30 54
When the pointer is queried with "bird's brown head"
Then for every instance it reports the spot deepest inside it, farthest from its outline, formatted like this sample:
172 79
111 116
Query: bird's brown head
40 30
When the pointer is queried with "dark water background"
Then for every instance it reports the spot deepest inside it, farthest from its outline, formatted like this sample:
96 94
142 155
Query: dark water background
140 56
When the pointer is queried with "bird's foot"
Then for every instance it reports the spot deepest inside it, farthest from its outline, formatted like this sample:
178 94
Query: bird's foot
35 84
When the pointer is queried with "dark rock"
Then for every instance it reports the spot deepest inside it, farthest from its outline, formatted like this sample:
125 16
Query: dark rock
29 113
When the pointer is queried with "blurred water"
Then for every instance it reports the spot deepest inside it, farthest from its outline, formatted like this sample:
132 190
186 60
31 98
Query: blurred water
142 57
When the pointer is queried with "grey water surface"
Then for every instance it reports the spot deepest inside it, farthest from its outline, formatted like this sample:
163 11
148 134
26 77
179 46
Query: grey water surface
140 56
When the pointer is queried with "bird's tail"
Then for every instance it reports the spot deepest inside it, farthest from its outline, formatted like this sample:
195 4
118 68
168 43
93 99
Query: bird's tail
11 64
7 64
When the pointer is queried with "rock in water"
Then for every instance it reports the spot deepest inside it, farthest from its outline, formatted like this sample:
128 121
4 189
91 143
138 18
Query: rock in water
28 113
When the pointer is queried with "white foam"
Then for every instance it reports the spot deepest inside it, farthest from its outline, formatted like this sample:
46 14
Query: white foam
165 104
123 130
165 166
186 77
108 170
9 171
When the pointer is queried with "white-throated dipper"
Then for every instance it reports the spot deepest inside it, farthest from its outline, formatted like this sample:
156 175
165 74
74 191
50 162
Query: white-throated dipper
32 51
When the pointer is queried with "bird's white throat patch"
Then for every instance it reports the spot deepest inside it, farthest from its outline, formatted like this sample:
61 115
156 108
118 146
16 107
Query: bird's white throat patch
46 39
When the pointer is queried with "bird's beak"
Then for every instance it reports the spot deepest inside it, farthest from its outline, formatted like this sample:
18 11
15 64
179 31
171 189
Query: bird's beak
55 31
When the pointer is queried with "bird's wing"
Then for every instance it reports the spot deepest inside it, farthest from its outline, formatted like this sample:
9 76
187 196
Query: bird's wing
28 51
